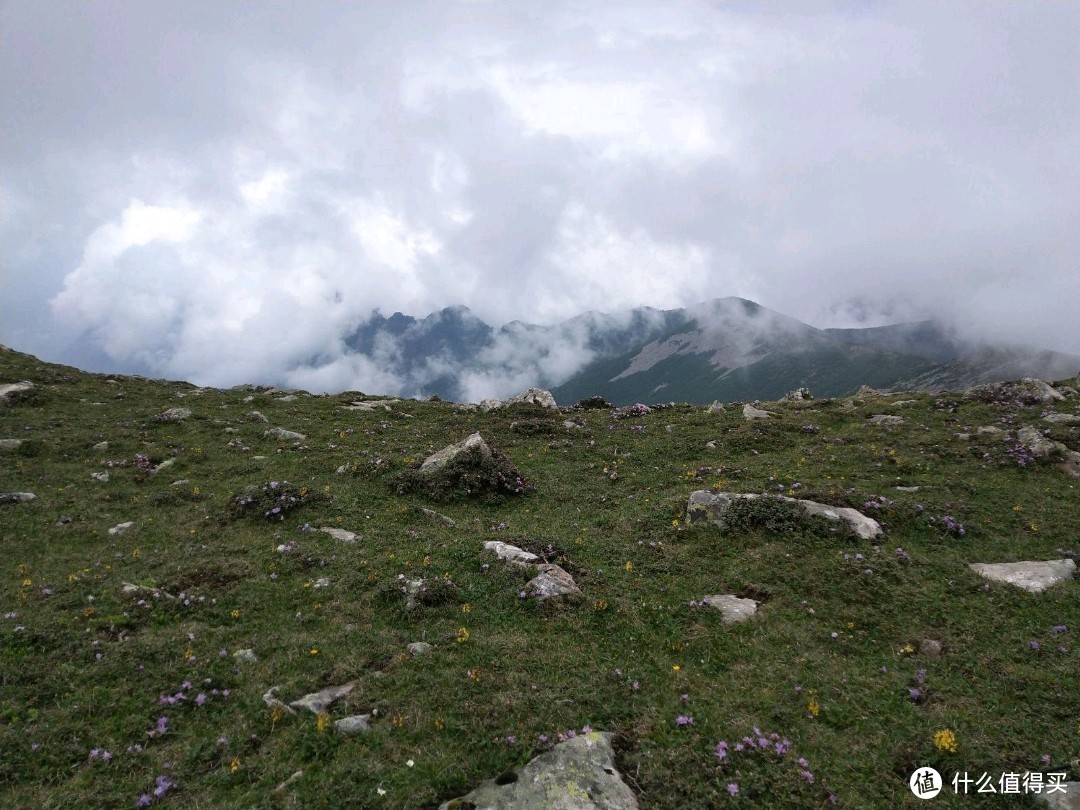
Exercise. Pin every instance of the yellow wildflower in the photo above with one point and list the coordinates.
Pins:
(462, 635)
(234, 766)
(466, 608)
(629, 566)
(813, 707)
(313, 651)
(945, 740)
(235, 613)
(322, 722)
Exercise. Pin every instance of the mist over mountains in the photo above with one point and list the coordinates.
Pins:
(726, 349)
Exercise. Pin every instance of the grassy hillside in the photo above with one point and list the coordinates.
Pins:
(832, 663)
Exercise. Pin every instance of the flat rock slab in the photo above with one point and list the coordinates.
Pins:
(319, 702)
(174, 415)
(733, 608)
(886, 420)
(1062, 418)
(1032, 576)
(578, 774)
(344, 535)
(10, 444)
(714, 506)
(285, 435)
(511, 554)
(473, 443)
(122, 528)
(16, 497)
(550, 582)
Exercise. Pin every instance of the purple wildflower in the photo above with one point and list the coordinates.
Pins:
(733, 788)
(1059, 628)
(684, 720)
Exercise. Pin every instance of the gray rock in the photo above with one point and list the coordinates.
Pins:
(103, 477)
(412, 589)
(255, 416)
(122, 528)
(900, 403)
(419, 648)
(284, 435)
(343, 535)
(1043, 447)
(578, 774)
(287, 398)
(164, 465)
(551, 582)
(714, 506)
(296, 776)
(180, 482)
(931, 648)
(886, 420)
(1068, 799)
(1028, 386)
(16, 497)
(174, 415)
(10, 444)
(907, 489)
(750, 412)
(471, 444)
(732, 607)
(130, 589)
(431, 513)
(7, 389)
(798, 395)
(245, 656)
(716, 407)
(101, 446)
(274, 703)
(867, 391)
(319, 702)
(1033, 576)
(321, 582)
(349, 726)
(711, 444)
(988, 430)
(488, 405)
(511, 554)
(534, 396)
(1062, 418)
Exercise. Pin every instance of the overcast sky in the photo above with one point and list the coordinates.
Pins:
(217, 190)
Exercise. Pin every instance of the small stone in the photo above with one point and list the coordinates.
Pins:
(245, 656)
(357, 724)
(174, 415)
(750, 412)
(716, 407)
(101, 446)
(291, 780)
(287, 398)
(886, 420)
(907, 489)
(419, 648)
(551, 582)
(319, 702)
(164, 465)
(1062, 419)
(255, 416)
(431, 513)
(472, 443)
(180, 482)
(988, 430)
(284, 435)
(10, 444)
(711, 444)
(321, 582)
(732, 608)
(511, 554)
(931, 648)
(122, 528)
(103, 477)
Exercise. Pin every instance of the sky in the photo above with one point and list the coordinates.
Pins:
(219, 191)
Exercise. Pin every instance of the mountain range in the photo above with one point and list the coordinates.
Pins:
(727, 349)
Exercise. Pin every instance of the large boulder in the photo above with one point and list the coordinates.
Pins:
(751, 413)
(471, 444)
(578, 774)
(798, 395)
(1045, 448)
(715, 507)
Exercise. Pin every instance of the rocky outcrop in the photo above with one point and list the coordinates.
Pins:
(578, 774)
(715, 506)
(471, 444)
(1045, 448)
(751, 413)
(530, 396)
(798, 395)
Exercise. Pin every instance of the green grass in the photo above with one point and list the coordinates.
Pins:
(83, 666)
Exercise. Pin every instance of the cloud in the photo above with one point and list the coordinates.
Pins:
(223, 192)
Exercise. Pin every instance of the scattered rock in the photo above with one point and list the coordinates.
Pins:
(255, 416)
(798, 395)
(284, 435)
(750, 412)
(1027, 388)
(551, 582)
(732, 607)
(356, 724)
(714, 506)
(10, 444)
(246, 656)
(164, 465)
(1043, 447)
(988, 430)
(570, 424)
(907, 489)
(344, 468)
(180, 482)
(130, 589)
(274, 703)
(900, 403)
(511, 554)
(343, 535)
(16, 497)
(1033, 576)
(578, 774)
(886, 420)
(471, 444)
(534, 396)
(319, 702)
(419, 648)
(103, 477)
(413, 588)
(716, 407)
(122, 528)
(867, 391)
(711, 444)
(929, 647)
(321, 582)
(174, 415)
(431, 513)
(1062, 418)
(8, 389)
(287, 398)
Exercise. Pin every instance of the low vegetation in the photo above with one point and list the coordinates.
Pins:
(114, 696)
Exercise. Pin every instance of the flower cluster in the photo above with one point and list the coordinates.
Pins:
(1019, 454)
(877, 502)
